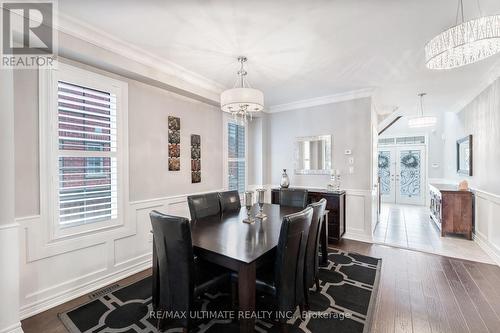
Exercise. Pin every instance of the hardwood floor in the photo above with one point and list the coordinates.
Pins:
(48, 321)
(419, 292)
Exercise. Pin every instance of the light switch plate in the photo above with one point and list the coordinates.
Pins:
(347, 152)
(351, 170)
(351, 160)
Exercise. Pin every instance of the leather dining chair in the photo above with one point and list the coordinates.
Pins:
(293, 197)
(285, 283)
(311, 264)
(180, 277)
(230, 201)
(204, 205)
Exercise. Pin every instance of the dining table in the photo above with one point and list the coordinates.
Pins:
(242, 247)
(228, 241)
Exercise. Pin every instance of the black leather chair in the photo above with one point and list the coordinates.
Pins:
(285, 283)
(293, 197)
(311, 265)
(179, 278)
(230, 201)
(204, 205)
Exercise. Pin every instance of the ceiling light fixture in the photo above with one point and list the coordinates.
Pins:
(422, 121)
(465, 43)
(242, 101)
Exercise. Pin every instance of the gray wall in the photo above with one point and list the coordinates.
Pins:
(349, 124)
(481, 118)
(149, 108)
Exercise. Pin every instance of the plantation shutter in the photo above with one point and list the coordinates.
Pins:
(87, 155)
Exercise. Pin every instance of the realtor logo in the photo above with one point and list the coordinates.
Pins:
(28, 36)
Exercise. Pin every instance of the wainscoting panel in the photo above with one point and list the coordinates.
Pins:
(358, 211)
(359, 215)
(54, 273)
(487, 228)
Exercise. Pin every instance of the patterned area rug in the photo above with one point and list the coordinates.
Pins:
(345, 302)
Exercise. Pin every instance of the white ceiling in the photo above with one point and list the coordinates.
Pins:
(302, 49)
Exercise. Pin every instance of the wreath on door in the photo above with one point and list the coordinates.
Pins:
(409, 161)
(383, 161)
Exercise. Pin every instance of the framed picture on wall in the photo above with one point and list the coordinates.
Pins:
(464, 155)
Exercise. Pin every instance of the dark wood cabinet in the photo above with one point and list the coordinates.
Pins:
(335, 204)
(452, 210)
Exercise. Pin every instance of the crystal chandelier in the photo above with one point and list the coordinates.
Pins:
(465, 43)
(422, 121)
(242, 101)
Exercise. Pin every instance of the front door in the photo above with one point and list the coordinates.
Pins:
(402, 174)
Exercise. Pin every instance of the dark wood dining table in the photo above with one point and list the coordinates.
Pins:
(241, 247)
(229, 242)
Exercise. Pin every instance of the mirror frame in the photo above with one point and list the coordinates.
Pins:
(328, 157)
(466, 140)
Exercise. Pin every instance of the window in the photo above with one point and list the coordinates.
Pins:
(236, 157)
(87, 155)
(85, 149)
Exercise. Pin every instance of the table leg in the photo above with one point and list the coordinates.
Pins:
(246, 295)
(324, 241)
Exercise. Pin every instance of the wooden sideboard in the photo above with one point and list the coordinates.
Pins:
(452, 210)
(335, 204)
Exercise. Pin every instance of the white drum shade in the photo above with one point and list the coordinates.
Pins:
(238, 99)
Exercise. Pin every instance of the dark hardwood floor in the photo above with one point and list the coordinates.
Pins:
(419, 292)
(48, 321)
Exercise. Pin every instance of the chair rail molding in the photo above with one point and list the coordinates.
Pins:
(98, 260)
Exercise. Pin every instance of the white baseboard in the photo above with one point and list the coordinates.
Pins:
(16, 328)
(100, 282)
(488, 248)
(358, 237)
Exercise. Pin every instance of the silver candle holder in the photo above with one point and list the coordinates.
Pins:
(261, 193)
(248, 205)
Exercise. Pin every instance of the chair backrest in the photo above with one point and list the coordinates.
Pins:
(289, 264)
(230, 201)
(293, 197)
(204, 205)
(174, 248)
(311, 264)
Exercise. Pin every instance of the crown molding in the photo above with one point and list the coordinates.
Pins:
(174, 75)
(329, 99)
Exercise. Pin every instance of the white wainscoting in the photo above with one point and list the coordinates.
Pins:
(358, 211)
(54, 273)
(487, 228)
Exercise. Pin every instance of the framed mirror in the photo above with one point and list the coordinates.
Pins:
(464, 155)
(313, 155)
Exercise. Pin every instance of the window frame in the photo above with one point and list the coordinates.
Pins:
(226, 119)
(49, 147)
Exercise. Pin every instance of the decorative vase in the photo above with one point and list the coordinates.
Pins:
(334, 184)
(285, 181)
